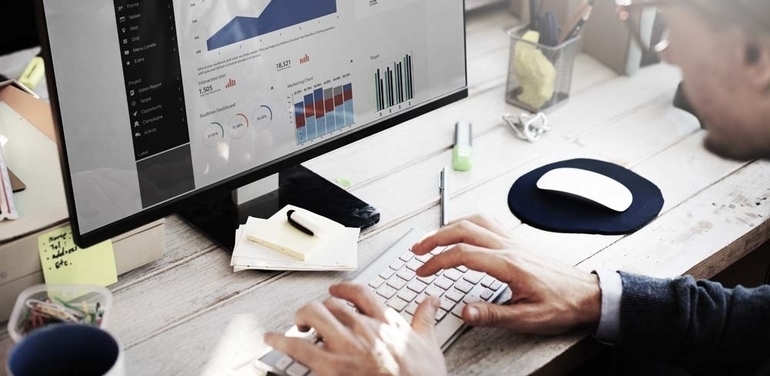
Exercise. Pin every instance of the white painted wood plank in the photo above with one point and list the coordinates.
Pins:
(413, 141)
(143, 309)
(697, 230)
(589, 72)
(182, 242)
(499, 152)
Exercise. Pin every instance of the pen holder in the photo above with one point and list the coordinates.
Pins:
(539, 76)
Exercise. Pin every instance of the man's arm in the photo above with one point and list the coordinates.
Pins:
(696, 323)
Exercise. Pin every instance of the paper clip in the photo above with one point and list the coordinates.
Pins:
(528, 126)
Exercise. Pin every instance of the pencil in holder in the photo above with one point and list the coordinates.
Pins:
(539, 76)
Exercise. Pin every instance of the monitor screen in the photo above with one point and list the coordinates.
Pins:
(157, 101)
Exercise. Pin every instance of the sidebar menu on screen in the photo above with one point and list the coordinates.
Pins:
(154, 92)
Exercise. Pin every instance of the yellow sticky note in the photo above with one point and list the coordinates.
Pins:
(65, 263)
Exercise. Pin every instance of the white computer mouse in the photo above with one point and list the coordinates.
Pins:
(587, 185)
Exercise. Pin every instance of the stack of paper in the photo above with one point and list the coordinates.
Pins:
(268, 244)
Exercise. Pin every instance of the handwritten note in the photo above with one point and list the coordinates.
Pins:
(64, 262)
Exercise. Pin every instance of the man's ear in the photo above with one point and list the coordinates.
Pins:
(757, 63)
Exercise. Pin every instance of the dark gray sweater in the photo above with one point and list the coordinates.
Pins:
(700, 325)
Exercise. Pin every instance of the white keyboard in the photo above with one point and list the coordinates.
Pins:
(392, 277)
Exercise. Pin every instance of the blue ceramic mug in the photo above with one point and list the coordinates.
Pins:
(67, 349)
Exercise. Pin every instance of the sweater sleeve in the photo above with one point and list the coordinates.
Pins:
(697, 324)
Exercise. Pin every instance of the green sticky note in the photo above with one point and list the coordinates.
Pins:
(65, 263)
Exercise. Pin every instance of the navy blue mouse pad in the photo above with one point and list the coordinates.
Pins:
(558, 213)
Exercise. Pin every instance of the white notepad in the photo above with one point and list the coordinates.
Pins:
(341, 254)
(277, 233)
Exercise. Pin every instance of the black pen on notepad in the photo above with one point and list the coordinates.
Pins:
(301, 222)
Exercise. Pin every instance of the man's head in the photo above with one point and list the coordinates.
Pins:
(723, 49)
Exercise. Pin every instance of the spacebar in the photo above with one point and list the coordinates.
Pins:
(447, 328)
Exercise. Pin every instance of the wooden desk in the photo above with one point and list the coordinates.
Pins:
(189, 314)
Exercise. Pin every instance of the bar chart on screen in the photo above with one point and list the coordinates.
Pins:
(322, 110)
(394, 84)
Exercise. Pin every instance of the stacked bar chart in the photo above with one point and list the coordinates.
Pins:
(277, 15)
(323, 111)
(394, 83)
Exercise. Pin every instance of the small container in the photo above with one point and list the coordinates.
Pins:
(539, 76)
(40, 305)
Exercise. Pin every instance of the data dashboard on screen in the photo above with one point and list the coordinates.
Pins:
(160, 98)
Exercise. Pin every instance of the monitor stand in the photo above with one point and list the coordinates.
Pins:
(218, 217)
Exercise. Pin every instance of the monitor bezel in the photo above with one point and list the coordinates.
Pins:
(170, 207)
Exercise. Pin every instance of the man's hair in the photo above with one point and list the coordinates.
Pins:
(754, 15)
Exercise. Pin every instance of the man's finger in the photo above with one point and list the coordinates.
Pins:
(471, 256)
(300, 349)
(490, 224)
(463, 231)
(351, 319)
(423, 320)
(520, 318)
(363, 298)
(487, 223)
(317, 316)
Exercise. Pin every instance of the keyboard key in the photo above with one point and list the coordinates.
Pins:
(487, 294)
(398, 264)
(426, 280)
(381, 299)
(283, 363)
(413, 264)
(446, 304)
(297, 369)
(416, 286)
(407, 316)
(423, 258)
(420, 298)
(473, 276)
(411, 308)
(376, 283)
(458, 310)
(408, 255)
(408, 294)
(406, 274)
(487, 281)
(443, 282)
(463, 286)
(386, 291)
(475, 294)
(462, 268)
(397, 304)
(396, 283)
(387, 273)
(496, 285)
(440, 315)
(434, 290)
(454, 294)
(452, 323)
(453, 274)
(437, 250)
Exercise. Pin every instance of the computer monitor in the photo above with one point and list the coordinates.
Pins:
(167, 106)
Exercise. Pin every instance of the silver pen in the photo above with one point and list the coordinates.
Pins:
(444, 199)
